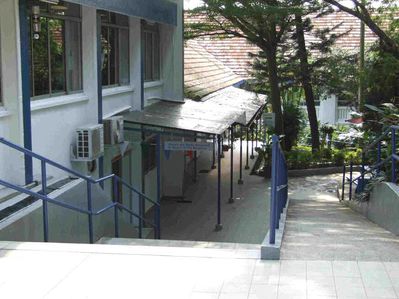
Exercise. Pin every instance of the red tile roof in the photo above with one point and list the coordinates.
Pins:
(234, 53)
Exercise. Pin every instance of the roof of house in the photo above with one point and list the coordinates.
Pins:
(234, 53)
(203, 72)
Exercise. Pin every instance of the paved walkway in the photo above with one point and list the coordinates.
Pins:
(39, 270)
(319, 227)
(244, 221)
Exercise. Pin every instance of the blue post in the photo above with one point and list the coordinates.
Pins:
(213, 153)
(231, 198)
(240, 181)
(362, 184)
(26, 88)
(115, 200)
(195, 162)
(343, 182)
(278, 192)
(90, 209)
(252, 144)
(141, 214)
(257, 132)
(273, 194)
(393, 153)
(158, 210)
(219, 226)
(247, 155)
(99, 91)
(379, 157)
(45, 207)
(350, 179)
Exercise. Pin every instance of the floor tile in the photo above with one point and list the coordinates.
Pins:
(380, 292)
(345, 269)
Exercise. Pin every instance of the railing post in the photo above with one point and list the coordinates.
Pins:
(90, 209)
(44, 202)
(115, 200)
(343, 182)
(247, 153)
(141, 214)
(278, 183)
(231, 198)
(350, 179)
(252, 143)
(379, 157)
(158, 210)
(240, 181)
(363, 171)
(272, 226)
(393, 153)
(213, 153)
(256, 133)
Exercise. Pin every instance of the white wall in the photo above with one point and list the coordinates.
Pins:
(54, 120)
(11, 163)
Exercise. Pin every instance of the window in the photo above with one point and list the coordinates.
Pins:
(115, 49)
(151, 49)
(56, 51)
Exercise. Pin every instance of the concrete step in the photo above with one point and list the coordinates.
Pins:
(190, 248)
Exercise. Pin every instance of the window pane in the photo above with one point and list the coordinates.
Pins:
(40, 62)
(57, 51)
(148, 53)
(73, 55)
(124, 57)
(113, 57)
(105, 54)
(156, 57)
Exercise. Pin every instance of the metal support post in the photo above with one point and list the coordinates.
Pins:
(231, 198)
(247, 154)
(195, 161)
(115, 200)
(393, 153)
(252, 144)
(219, 226)
(213, 153)
(240, 180)
(379, 157)
(90, 208)
(158, 210)
(350, 179)
(257, 132)
(343, 182)
(44, 202)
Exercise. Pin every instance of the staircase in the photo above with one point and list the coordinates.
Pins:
(66, 208)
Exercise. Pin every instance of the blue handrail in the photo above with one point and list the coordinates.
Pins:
(393, 158)
(89, 181)
(279, 187)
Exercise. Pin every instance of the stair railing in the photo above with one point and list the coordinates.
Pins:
(279, 187)
(392, 158)
(89, 182)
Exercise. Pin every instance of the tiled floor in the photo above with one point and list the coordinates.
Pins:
(38, 270)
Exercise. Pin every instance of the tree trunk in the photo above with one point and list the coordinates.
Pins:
(306, 83)
(275, 90)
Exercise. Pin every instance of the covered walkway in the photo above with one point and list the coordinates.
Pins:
(244, 221)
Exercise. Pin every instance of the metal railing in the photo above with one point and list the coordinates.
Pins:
(279, 187)
(89, 183)
(392, 157)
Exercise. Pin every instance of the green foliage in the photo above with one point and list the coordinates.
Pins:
(293, 117)
(301, 157)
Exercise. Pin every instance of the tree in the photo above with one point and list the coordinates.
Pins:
(262, 23)
(364, 13)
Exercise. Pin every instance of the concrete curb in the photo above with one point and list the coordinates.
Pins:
(272, 251)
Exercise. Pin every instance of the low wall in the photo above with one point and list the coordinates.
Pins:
(382, 207)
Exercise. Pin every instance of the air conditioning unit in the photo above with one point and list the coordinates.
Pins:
(89, 143)
(113, 130)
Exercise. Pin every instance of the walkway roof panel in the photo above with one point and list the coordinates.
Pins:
(212, 116)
